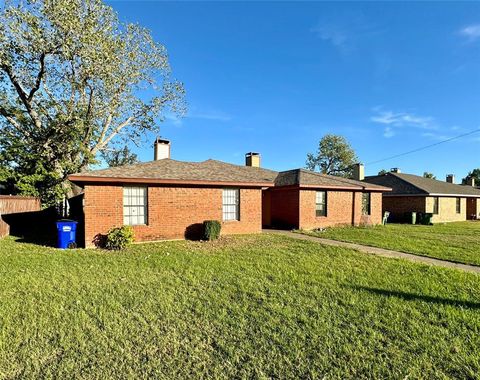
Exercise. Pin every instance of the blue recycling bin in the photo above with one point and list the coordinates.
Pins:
(66, 231)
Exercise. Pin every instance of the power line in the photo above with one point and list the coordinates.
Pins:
(424, 147)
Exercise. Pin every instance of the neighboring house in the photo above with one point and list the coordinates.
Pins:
(447, 201)
(167, 199)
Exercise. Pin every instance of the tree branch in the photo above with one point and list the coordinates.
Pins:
(87, 117)
(38, 81)
(23, 96)
(9, 118)
(103, 143)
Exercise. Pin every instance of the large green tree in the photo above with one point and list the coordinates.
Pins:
(475, 174)
(120, 157)
(429, 175)
(334, 156)
(74, 81)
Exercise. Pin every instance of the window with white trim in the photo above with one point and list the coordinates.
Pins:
(135, 205)
(231, 204)
(321, 203)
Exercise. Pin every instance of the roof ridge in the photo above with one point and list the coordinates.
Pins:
(237, 165)
(411, 184)
(404, 180)
(336, 178)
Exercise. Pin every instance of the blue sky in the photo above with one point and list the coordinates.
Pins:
(274, 77)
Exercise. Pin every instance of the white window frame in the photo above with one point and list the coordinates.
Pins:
(135, 205)
(321, 199)
(230, 204)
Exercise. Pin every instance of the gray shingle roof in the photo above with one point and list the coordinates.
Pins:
(305, 177)
(168, 169)
(212, 171)
(409, 184)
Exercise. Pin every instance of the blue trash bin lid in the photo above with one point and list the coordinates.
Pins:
(66, 225)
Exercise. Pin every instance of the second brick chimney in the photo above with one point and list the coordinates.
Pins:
(450, 178)
(252, 159)
(161, 149)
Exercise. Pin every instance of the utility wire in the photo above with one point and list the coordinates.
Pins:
(425, 147)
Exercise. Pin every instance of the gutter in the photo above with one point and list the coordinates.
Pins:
(435, 195)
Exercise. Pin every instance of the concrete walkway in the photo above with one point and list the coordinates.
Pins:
(378, 251)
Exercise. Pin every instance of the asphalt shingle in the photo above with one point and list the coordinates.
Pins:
(409, 184)
(211, 171)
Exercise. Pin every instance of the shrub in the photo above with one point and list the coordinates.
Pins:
(212, 229)
(119, 238)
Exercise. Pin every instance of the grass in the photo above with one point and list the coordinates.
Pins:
(245, 307)
(457, 242)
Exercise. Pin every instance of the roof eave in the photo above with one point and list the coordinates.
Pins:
(83, 180)
(434, 195)
(333, 187)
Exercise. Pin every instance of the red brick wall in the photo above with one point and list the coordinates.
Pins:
(376, 210)
(294, 208)
(102, 210)
(284, 207)
(343, 208)
(266, 208)
(172, 211)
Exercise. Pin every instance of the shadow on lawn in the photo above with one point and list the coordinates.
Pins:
(419, 297)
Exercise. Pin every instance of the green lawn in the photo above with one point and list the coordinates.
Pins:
(458, 242)
(244, 307)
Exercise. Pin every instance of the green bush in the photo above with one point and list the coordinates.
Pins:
(212, 229)
(119, 238)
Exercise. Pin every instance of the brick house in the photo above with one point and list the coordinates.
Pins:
(447, 201)
(169, 199)
(308, 200)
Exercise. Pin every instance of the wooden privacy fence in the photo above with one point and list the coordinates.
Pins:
(11, 205)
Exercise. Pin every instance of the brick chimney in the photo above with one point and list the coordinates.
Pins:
(161, 149)
(395, 170)
(359, 172)
(252, 159)
(450, 178)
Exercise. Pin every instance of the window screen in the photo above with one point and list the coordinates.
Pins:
(321, 203)
(231, 204)
(366, 203)
(134, 205)
(459, 205)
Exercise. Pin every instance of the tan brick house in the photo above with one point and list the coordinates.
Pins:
(167, 199)
(447, 201)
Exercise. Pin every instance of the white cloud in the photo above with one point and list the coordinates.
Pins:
(195, 113)
(388, 132)
(436, 136)
(210, 115)
(174, 120)
(333, 34)
(344, 30)
(402, 119)
(471, 32)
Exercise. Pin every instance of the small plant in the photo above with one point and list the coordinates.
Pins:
(212, 229)
(119, 238)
